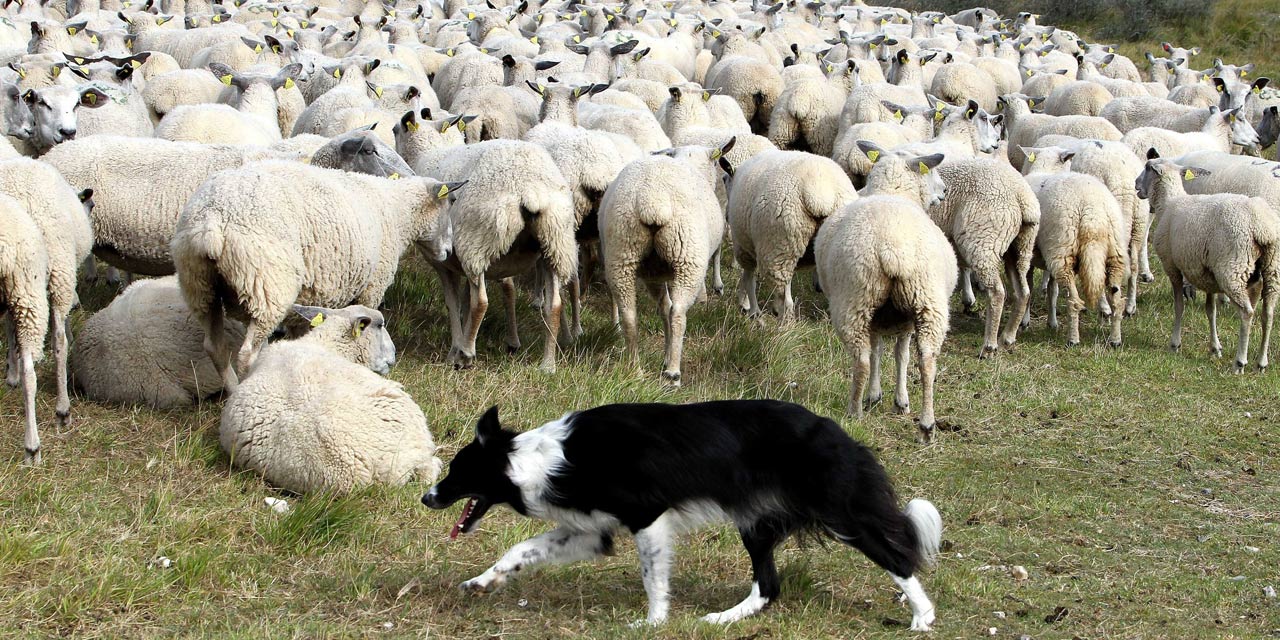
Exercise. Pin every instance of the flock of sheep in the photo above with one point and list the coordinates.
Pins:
(281, 158)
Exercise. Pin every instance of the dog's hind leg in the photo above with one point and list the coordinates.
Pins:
(888, 549)
(657, 551)
(760, 540)
(558, 546)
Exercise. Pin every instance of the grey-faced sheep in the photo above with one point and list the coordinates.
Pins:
(1224, 243)
(777, 202)
(314, 415)
(660, 221)
(889, 271)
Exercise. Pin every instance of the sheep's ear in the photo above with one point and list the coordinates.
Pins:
(447, 188)
(409, 122)
(253, 44)
(362, 322)
(222, 72)
(896, 109)
(641, 54)
(903, 56)
(972, 110)
(626, 47)
(92, 98)
(86, 195)
(1066, 156)
(1260, 84)
(314, 316)
(1191, 173)
(925, 164)
(488, 427)
(870, 149)
(1152, 154)
(537, 88)
(1029, 153)
(543, 65)
(707, 93)
(597, 88)
(724, 148)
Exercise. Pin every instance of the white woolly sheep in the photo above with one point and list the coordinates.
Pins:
(516, 215)
(806, 116)
(311, 415)
(1229, 173)
(146, 348)
(24, 303)
(660, 222)
(1077, 98)
(1082, 240)
(889, 271)
(992, 218)
(254, 240)
(753, 83)
(1224, 243)
(959, 82)
(56, 209)
(1025, 127)
(777, 202)
(1221, 130)
(256, 121)
(1129, 113)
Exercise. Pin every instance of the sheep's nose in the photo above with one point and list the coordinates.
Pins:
(67, 134)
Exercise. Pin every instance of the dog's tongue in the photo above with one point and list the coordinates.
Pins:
(462, 519)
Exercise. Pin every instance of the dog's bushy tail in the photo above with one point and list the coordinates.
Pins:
(927, 522)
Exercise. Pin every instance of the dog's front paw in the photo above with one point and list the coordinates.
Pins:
(482, 584)
(923, 623)
(724, 617)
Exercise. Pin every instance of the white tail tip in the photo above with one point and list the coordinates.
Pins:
(928, 524)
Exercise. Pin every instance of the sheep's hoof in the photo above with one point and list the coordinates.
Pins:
(718, 290)
(512, 349)
(1215, 352)
(872, 401)
(1054, 324)
(1114, 344)
(987, 352)
(925, 433)
(1073, 343)
(968, 311)
(1147, 278)
(1008, 343)
(1175, 347)
(32, 458)
(547, 368)
(1129, 313)
(1262, 367)
(64, 418)
(1238, 368)
(901, 409)
(1024, 325)
(672, 378)
(817, 287)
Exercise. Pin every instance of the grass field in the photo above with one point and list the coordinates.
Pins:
(1137, 487)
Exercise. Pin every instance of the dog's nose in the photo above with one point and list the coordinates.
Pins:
(430, 499)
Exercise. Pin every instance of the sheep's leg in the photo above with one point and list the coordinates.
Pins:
(747, 289)
(1241, 298)
(479, 304)
(449, 287)
(660, 293)
(215, 345)
(860, 351)
(1268, 316)
(682, 297)
(256, 333)
(1026, 311)
(14, 374)
(966, 290)
(989, 279)
(32, 439)
(58, 331)
(623, 288)
(902, 358)
(1117, 296)
(778, 281)
(1133, 276)
(1074, 306)
(551, 315)
(929, 337)
(1020, 291)
(1179, 301)
(874, 393)
(509, 301)
(573, 330)
(1052, 300)
(1145, 253)
(717, 283)
(1211, 310)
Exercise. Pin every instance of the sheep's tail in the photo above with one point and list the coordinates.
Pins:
(927, 522)
(1092, 266)
(552, 219)
(196, 249)
(1266, 232)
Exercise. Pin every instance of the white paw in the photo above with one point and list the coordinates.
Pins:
(723, 617)
(650, 622)
(922, 623)
(481, 584)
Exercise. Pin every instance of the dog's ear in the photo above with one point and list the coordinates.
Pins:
(488, 427)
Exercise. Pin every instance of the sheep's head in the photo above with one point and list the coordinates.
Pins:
(1241, 132)
(1235, 95)
(356, 333)
(1180, 52)
(1162, 172)
(1046, 159)
(1268, 127)
(417, 132)
(362, 151)
(18, 121)
(560, 101)
(908, 176)
(53, 110)
(437, 240)
(712, 160)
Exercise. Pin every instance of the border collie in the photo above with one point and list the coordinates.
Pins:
(656, 470)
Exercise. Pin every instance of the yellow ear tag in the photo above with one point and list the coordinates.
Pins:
(462, 126)
(337, 73)
(71, 31)
(873, 155)
(22, 73)
(898, 114)
(1219, 88)
(84, 70)
(377, 91)
(257, 48)
(715, 155)
(129, 43)
(715, 34)
(94, 39)
(56, 71)
(673, 22)
(706, 95)
(471, 15)
(883, 21)
(830, 68)
(288, 83)
(394, 176)
(411, 126)
(1188, 176)
(318, 320)
(444, 191)
(355, 330)
(1031, 103)
(289, 32)
(275, 23)
(1257, 90)
(534, 39)
(92, 98)
(1030, 73)
(444, 127)
(304, 24)
(577, 40)
(1231, 118)
(217, 19)
(135, 63)
(1031, 157)
(225, 79)
(924, 169)
(937, 115)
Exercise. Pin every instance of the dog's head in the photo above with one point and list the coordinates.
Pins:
(478, 472)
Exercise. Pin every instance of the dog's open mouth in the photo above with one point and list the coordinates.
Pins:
(471, 514)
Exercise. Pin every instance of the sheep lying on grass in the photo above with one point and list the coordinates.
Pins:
(312, 414)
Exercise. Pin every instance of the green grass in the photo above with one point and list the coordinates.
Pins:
(1133, 484)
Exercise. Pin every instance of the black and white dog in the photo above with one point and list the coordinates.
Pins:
(772, 468)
